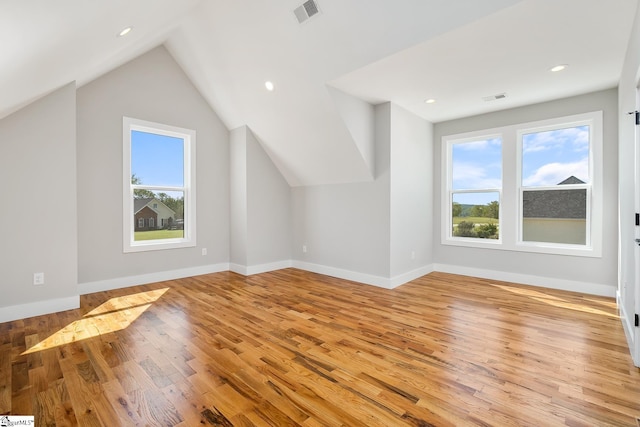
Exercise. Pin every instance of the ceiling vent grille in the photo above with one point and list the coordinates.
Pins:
(305, 11)
(494, 97)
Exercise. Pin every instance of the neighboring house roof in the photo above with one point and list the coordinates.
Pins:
(139, 204)
(567, 204)
(571, 180)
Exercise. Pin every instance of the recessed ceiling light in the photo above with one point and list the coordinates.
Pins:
(269, 85)
(557, 68)
(429, 101)
(125, 31)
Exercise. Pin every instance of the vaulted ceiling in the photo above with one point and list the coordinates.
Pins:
(327, 71)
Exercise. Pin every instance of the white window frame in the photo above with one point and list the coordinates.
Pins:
(511, 195)
(594, 200)
(189, 189)
(449, 193)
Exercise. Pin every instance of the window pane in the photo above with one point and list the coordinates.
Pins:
(555, 216)
(158, 215)
(476, 215)
(157, 159)
(555, 157)
(477, 164)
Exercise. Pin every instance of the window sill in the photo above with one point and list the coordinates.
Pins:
(158, 246)
(533, 247)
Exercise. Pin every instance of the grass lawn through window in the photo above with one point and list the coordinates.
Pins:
(158, 234)
(476, 226)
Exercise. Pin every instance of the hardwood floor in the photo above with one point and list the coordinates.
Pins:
(295, 348)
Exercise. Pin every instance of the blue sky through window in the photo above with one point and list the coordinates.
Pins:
(157, 159)
(550, 157)
(477, 165)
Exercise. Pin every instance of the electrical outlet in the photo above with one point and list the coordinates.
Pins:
(204, 251)
(304, 249)
(413, 254)
(38, 279)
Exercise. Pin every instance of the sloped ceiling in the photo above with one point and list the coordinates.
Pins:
(47, 44)
(328, 71)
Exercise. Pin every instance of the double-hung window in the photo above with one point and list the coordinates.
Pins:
(475, 188)
(555, 184)
(158, 186)
(534, 187)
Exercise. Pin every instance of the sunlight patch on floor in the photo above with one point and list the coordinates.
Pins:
(554, 301)
(113, 315)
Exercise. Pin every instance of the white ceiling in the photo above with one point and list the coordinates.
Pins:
(403, 51)
(510, 51)
(46, 44)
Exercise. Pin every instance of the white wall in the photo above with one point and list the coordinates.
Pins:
(628, 197)
(345, 227)
(154, 88)
(359, 117)
(238, 197)
(581, 274)
(260, 208)
(411, 192)
(38, 214)
(368, 231)
(268, 210)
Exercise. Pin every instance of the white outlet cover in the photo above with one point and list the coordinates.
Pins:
(38, 278)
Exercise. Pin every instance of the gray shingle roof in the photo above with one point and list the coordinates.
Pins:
(567, 204)
(138, 204)
(571, 180)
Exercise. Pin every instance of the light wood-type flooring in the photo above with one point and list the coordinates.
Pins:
(291, 348)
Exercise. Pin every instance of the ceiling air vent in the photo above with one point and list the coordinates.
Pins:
(306, 11)
(494, 97)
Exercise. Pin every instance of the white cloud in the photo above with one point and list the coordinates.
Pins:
(471, 176)
(470, 146)
(479, 145)
(554, 173)
(575, 138)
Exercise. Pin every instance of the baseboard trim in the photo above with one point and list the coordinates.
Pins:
(411, 275)
(238, 268)
(367, 279)
(628, 328)
(38, 308)
(125, 282)
(260, 268)
(527, 279)
(22, 311)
